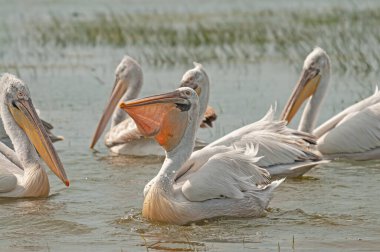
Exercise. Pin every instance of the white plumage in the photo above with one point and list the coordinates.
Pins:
(354, 133)
(21, 171)
(240, 174)
(223, 179)
(285, 152)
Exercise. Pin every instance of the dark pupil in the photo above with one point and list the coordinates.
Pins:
(183, 107)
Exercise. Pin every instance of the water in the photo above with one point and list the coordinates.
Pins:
(334, 208)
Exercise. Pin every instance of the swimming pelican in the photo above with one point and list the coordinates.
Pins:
(285, 152)
(228, 184)
(124, 137)
(21, 172)
(354, 133)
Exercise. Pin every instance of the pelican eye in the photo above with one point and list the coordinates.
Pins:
(20, 94)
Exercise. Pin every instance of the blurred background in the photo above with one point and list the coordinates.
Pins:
(253, 52)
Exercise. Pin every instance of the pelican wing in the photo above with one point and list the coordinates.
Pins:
(238, 134)
(49, 127)
(124, 132)
(347, 113)
(10, 155)
(8, 171)
(8, 181)
(279, 146)
(225, 175)
(357, 133)
(284, 151)
(277, 143)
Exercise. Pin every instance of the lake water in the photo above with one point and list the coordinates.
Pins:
(335, 207)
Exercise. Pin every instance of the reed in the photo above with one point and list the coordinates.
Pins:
(349, 36)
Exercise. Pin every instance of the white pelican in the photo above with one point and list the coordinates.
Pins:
(285, 152)
(354, 133)
(21, 171)
(228, 184)
(124, 137)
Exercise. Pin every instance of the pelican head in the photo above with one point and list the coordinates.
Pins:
(163, 116)
(316, 66)
(128, 77)
(198, 80)
(15, 97)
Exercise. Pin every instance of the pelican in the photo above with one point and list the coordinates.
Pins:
(124, 137)
(354, 133)
(228, 184)
(21, 171)
(285, 152)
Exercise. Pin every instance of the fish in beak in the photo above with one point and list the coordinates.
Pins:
(160, 116)
(119, 89)
(27, 119)
(306, 86)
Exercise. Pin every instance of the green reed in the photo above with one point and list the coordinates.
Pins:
(350, 37)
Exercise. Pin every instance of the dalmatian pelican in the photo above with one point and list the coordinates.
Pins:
(21, 171)
(353, 133)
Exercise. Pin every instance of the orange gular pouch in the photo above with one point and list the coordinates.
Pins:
(164, 121)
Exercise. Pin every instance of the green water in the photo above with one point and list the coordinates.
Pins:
(335, 208)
